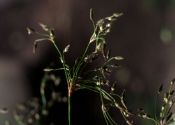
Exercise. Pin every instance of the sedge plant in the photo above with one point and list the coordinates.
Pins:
(96, 79)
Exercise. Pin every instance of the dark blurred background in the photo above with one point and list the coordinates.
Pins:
(144, 36)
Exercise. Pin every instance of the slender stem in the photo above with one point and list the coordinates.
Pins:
(68, 79)
(69, 102)
(59, 52)
(80, 62)
(67, 75)
(78, 67)
(69, 110)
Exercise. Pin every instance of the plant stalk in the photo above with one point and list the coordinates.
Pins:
(69, 102)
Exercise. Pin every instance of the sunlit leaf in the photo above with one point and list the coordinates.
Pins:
(30, 30)
(44, 27)
(66, 49)
(118, 58)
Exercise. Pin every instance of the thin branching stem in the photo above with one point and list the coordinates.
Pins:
(68, 79)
